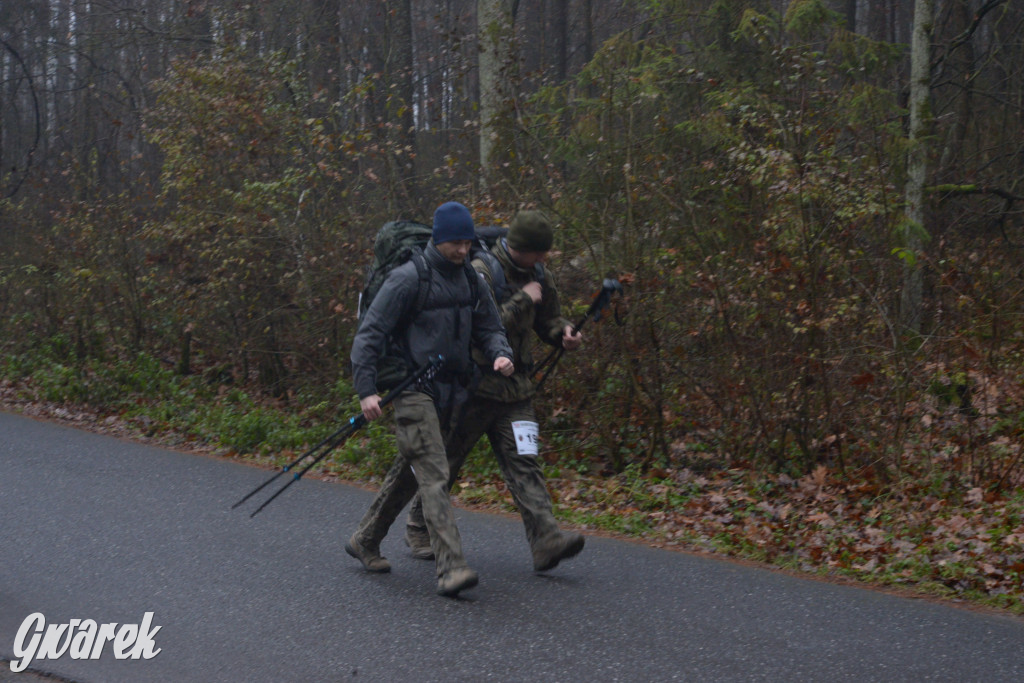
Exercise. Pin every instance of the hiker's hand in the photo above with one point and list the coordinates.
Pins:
(570, 341)
(371, 407)
(504, 366)
(534, 290)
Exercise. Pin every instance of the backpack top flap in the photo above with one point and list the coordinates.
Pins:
(394, 244)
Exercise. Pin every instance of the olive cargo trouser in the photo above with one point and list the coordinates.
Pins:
(522, 473)
(421, 464)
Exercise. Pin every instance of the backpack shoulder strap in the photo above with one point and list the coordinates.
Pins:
(473, 277)
(419, 299)
(422, 280)
(498, 282)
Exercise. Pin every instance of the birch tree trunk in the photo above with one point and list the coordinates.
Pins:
(917, 166)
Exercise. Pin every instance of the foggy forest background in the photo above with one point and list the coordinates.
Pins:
(815, 206)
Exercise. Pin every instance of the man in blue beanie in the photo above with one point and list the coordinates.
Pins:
(396, 328)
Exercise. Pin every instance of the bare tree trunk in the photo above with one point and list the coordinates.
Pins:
(962, 72)
(588, 31)
(850, 10)
(561, 32)
(495, 24)
(917, 165)
(400, 73)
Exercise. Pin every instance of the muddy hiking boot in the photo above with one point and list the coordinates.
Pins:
(454, 580)
(372, 560)
(418, 540)
(551, 550)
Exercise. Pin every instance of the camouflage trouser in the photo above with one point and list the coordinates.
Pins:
(522, 473)
(421, 463)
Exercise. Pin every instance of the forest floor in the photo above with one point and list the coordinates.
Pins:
(933, 538)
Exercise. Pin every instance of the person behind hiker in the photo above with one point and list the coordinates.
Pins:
(456, 313)
(502, 405)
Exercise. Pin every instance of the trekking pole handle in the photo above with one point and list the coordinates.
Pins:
(429, 370)
(609, 287)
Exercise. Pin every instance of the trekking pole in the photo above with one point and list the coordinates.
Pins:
(338, 437)
(609, 287)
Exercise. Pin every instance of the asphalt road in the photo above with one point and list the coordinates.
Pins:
(105, 529)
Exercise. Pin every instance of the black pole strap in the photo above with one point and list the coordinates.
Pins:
(324, 448)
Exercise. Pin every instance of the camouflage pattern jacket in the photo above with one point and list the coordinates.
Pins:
(521, 318)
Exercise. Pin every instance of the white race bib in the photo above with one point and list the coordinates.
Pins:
(526, 437)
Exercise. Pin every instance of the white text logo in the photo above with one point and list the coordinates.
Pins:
(82, 639)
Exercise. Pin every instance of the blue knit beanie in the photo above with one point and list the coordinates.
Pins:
(452, 222)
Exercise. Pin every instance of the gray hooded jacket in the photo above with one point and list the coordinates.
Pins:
(450, 321)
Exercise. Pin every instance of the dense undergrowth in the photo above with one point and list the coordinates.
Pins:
(928, 528)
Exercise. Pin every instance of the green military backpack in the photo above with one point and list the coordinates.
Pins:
(396, 242)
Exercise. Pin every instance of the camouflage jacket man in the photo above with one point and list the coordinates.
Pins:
(521, 318)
